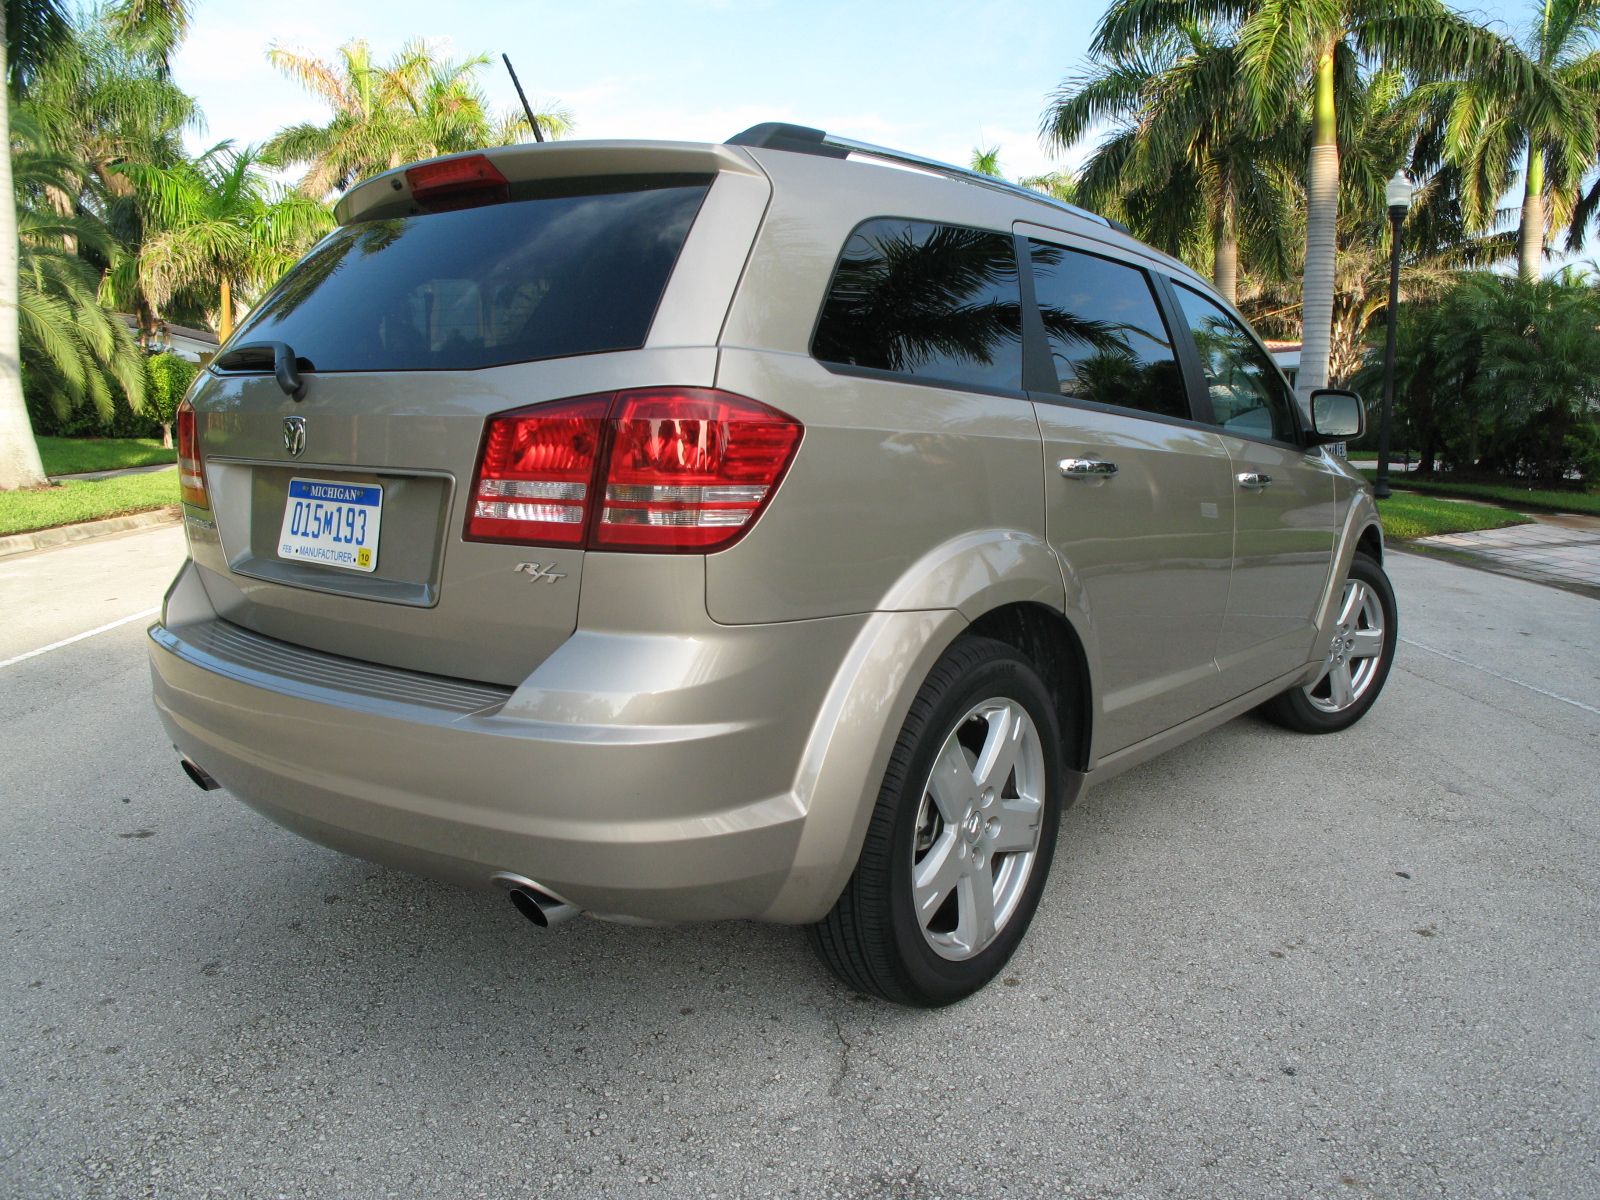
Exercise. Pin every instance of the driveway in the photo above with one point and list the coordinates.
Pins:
(1266, 965)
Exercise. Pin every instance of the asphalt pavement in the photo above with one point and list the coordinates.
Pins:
(1265, 965)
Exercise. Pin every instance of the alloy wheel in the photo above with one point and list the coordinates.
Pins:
(977, 831)
(1355, 651)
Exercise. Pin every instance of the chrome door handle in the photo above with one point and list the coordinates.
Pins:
(1087, 468)
(1253, 480)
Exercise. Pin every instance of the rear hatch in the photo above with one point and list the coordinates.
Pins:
(335, 520)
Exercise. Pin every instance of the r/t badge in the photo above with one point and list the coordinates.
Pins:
(535, 571)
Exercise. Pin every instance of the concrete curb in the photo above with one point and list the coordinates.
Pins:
(65, 535)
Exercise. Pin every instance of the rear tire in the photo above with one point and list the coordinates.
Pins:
(1360, 652)
(962, 836)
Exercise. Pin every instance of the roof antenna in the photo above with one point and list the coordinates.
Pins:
(521, 95)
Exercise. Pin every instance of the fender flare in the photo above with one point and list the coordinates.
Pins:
(929, 607)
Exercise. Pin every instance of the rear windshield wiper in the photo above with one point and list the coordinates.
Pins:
(278, 357)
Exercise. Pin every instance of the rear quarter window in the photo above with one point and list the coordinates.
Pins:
(932, 302)
(564, 268)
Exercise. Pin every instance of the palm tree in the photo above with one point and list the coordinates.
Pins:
(1380, 136)
(1186, 165)
(100, 102)
(73, 349)
(153, 29)
(987, 162)
(29, 31)
(1490, 129)
(42, 278)
(76, 350)
(416, 106)
(218, 224)
(1292, 53)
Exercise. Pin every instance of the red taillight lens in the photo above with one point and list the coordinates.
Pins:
(689, 468)
(673, 470)
(535, 473)
(191, 467)
(457, 183)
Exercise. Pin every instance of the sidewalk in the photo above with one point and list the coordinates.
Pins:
(144, 470)
(1562, 550)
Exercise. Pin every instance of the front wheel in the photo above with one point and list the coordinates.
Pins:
(962, 836)
(1360, 651)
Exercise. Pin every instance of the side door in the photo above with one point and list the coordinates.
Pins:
(1285, 517)
(1138, 494)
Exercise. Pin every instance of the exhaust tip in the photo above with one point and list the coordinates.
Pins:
(540, 905)
(523, 901)
(198, 775)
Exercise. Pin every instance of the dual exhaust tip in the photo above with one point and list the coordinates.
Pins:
(541, 906)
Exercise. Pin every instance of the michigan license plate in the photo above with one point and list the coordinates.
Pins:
(335, 524)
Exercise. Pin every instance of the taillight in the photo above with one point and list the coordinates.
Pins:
(191, 467)
(689, 468)
(457, 183)
(685, 470)
(535, 473)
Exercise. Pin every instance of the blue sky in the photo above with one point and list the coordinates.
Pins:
(938, 79)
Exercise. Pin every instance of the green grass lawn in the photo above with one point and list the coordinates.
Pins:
(86, 500)
(68, 456)
(1412, 516)
(1530, 499)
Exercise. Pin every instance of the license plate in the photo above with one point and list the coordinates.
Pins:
(332, 523)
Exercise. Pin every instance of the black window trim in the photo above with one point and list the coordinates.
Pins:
(849, 370)
(1194, 371)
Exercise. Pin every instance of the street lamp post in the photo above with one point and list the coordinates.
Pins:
(1398, 193)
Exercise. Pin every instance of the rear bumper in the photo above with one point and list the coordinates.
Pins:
(638, 775)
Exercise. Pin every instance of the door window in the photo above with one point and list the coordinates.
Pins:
(1105, 332)
(1248, 395)
(934, 302)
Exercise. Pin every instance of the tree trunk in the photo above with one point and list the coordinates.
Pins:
(19, 454)
(225, 317)
(1530, 237)
(147, 322)
(166, 435)
(1322, 216)
(1225, 265)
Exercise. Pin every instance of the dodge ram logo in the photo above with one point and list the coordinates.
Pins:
(294, 436)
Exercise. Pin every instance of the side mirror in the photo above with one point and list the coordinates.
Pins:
(1336, 416)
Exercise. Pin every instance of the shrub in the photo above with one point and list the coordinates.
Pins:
(1501, 376)
(169, 378)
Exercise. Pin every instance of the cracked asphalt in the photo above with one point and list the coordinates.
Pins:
(1265, 965)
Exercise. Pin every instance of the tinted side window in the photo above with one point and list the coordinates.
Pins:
(568, 267)
(935, 302)
(1105, 332)
(1248, 395)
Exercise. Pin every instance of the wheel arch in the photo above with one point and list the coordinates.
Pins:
(1370, 542)
(1047, 639)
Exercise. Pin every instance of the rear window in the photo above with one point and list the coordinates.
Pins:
(564, 268)
(935, 302)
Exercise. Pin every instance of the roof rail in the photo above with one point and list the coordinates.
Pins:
(802, 139)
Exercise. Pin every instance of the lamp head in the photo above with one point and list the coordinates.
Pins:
(1398, 192)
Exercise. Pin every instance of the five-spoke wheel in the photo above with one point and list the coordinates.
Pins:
(962, 836)
(1359, 650)
(1355, 651)
(978, 828)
